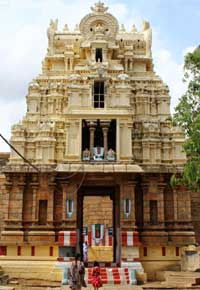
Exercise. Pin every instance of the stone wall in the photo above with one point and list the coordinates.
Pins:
(195, 212)
(97, 210)
(2, 181)
(4, 156)
(3, 160)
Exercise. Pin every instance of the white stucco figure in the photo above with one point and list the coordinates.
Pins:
(147, 31)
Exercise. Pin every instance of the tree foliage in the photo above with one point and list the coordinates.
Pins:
(187, 116)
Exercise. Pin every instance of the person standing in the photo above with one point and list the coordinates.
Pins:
(96, 276)
(76, 274)
(85, 251)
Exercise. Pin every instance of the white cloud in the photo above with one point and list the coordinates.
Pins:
(171, 72)
(188, 49)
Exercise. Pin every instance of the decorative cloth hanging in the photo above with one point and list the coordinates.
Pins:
(69, 207)
(97, 233)
(127, 207)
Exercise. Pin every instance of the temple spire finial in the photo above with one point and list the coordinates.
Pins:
(99, 7)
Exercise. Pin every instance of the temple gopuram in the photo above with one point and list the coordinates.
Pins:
(98, 130)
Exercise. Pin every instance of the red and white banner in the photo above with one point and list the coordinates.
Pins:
(67, 238)
(106, 241)
(130, 238)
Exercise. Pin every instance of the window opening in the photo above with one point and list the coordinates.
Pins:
(99, 56)
(99, 94)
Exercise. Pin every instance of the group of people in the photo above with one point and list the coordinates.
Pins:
(77, 272)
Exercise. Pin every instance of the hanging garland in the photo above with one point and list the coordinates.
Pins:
(97, 233)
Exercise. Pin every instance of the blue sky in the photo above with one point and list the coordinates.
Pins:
(177, 21)
(175, 25)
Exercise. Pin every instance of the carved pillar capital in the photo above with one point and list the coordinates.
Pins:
(91, 123)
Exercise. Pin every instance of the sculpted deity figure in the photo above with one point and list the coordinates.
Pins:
(86, 154)
(50, 33)
(111, 154)
(65, 28)
(76, 27)
(147, 31)
(134, 29)
(122, 28)
(99, 28)
(99, 31)
(123, 77)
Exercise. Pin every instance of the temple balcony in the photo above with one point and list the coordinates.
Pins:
(99, 140)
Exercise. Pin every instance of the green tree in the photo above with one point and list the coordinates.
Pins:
(187, 116)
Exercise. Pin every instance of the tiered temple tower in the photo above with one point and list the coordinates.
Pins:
(98, 129)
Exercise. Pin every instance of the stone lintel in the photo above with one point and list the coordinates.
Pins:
(99, 167)
(23, 168)
(96, 167)
(161, 168)
(12, 233)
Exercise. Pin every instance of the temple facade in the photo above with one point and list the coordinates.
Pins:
(99, 132)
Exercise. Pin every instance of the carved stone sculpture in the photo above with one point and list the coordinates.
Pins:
(50, 33)
(147, 31)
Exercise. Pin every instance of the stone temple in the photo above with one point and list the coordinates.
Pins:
(98, 129)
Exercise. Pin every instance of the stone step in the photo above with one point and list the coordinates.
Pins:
(182, 274)
(109, 276)
(180, 280)
(108, 287)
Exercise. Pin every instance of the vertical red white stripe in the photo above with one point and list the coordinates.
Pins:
(130, 238)
(116, 276)
(67, 238)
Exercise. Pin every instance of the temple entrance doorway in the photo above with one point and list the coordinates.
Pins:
(97, 223)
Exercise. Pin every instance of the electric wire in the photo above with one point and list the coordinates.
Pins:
(37, 169)
(18, 153)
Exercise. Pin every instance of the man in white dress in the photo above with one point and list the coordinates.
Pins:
(85, 251)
